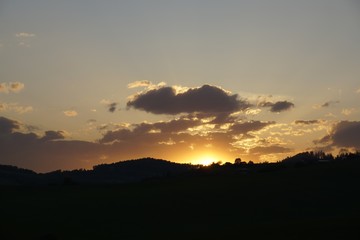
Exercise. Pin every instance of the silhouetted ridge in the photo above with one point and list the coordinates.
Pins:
(11, 175)
(138, 169)
(308, 158)
(147, 168)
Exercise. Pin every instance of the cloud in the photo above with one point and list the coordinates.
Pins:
(25, 35)
(251, 126)
(15, 107)
(348, 111)
(44, 153)
(112, 107)
(53, 135)
(142, 83)
(142, 129)
(70, 113)
(270, 150)
(166, 139)
(8, 126)
(329, 103)
(307, 122)
(24, 38)
(14, 87)
(343, 134)
(277, 107)
(281, 106)
(358, 91)
(205, 99)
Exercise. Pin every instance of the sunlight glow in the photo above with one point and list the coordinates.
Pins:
(206, 160)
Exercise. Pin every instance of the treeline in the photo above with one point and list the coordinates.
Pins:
(150, 168)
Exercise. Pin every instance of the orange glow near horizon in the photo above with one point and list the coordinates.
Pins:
(206, 160)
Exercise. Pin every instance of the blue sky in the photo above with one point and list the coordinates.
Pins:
(72, 59)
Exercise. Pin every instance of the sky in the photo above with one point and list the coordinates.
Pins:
(87, 82)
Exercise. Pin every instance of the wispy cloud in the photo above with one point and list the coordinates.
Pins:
(142, 83)
(70, 113)
(25, 35)
(14, 87)
(348, 111)
(329, 103)
(15, 107)
(358, 91)
(24, 38)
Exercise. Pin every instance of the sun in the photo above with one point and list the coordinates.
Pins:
(206, 160)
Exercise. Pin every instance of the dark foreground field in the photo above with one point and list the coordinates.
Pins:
(321, 201)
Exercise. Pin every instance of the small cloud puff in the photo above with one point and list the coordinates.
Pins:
(70, 113)
(13, 87)
(111, 106)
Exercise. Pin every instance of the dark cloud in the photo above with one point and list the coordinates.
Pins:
(329, 103)
(277, 107)
(307, 122)
(53, 135)
(205, 99)
(344, 134)
(112, 107)
(7, 126)
(269, 150)
(281, 106)
(250, 126)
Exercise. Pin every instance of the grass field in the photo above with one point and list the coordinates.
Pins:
(314, 202)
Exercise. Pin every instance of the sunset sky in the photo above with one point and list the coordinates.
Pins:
(86, 82)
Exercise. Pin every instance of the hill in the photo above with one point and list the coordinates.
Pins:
(119, 172)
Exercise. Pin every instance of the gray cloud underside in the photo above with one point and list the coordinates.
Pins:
(343, 134)
(270, 150)
(277, 107)
(7, 126)
(206, 99)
